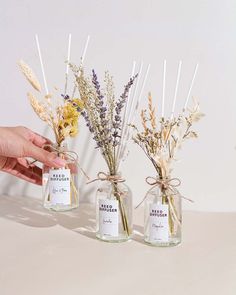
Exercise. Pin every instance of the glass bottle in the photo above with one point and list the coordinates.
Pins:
(114, 210)
(60, 185)
(163, 217)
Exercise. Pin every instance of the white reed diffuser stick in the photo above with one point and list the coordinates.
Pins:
(129, 114)
(41, 64)
(127, 106)
(85, 50)
(127, 135)
(67, 63)
(190, 88)
(68, 55)
(129, 94)
(132, 101)
(176, 89)
(82, 61)
(141, 94)
(163, 90)
(135, 92)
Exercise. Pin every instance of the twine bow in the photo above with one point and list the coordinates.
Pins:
(70, 155)
(167, 183)
(163, 183)
(107, 177)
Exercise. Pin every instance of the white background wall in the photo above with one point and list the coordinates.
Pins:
(194, 31)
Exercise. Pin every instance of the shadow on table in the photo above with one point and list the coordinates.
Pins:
(30, 212)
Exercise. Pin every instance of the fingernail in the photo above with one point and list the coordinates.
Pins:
(59, 161)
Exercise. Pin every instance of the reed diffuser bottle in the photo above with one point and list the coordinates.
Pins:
(60, 185)
(113, 210)
(160, 140)
(61, 113)
(163, 215)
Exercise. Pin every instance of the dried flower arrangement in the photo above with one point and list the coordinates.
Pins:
(103, 116)
(160, 139)
(64, 118)
(61, 113)
(61, 117)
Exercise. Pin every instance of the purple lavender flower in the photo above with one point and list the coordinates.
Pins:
(105, 128)
(87, 120)
(66, 96)
(102, 112)
(117, 118)
(98, 91)
(119, 106)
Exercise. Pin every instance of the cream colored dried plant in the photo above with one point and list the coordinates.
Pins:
(29, 74)
(161, 141)
(63, 118)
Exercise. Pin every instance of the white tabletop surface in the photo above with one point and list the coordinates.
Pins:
(50, 253)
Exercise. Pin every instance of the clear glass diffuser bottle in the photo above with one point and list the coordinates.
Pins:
(114, 212)
(60, 186)
(163, 217)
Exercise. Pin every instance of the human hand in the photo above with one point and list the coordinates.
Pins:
(17, 143)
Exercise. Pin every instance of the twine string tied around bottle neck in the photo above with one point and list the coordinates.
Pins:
(69, 155)
(102, 176)
(164, 184)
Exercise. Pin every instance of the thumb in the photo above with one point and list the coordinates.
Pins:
(45, 157)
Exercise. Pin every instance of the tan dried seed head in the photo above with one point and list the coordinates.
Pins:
(38, 107)
(29, 74)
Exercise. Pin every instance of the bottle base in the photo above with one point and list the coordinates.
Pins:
(60, 208)
(171, 243)
(110, 239)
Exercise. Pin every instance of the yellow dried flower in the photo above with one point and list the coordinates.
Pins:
(69, 112)
(73, 131)
(68, 125)
(68, 131)
(79, 103)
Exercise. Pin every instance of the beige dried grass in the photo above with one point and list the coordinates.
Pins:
(29, 74)
(38, 107)
(151, 112)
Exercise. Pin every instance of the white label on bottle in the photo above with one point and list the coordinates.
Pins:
(108, 218)
(159, 224)
(59, 186)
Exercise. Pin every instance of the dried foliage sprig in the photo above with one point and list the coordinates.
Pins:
(63, 118)
(29, 75)
(160, 144)
(102, 112)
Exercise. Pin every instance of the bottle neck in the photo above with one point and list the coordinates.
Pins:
(62, 147)
(118, 174)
